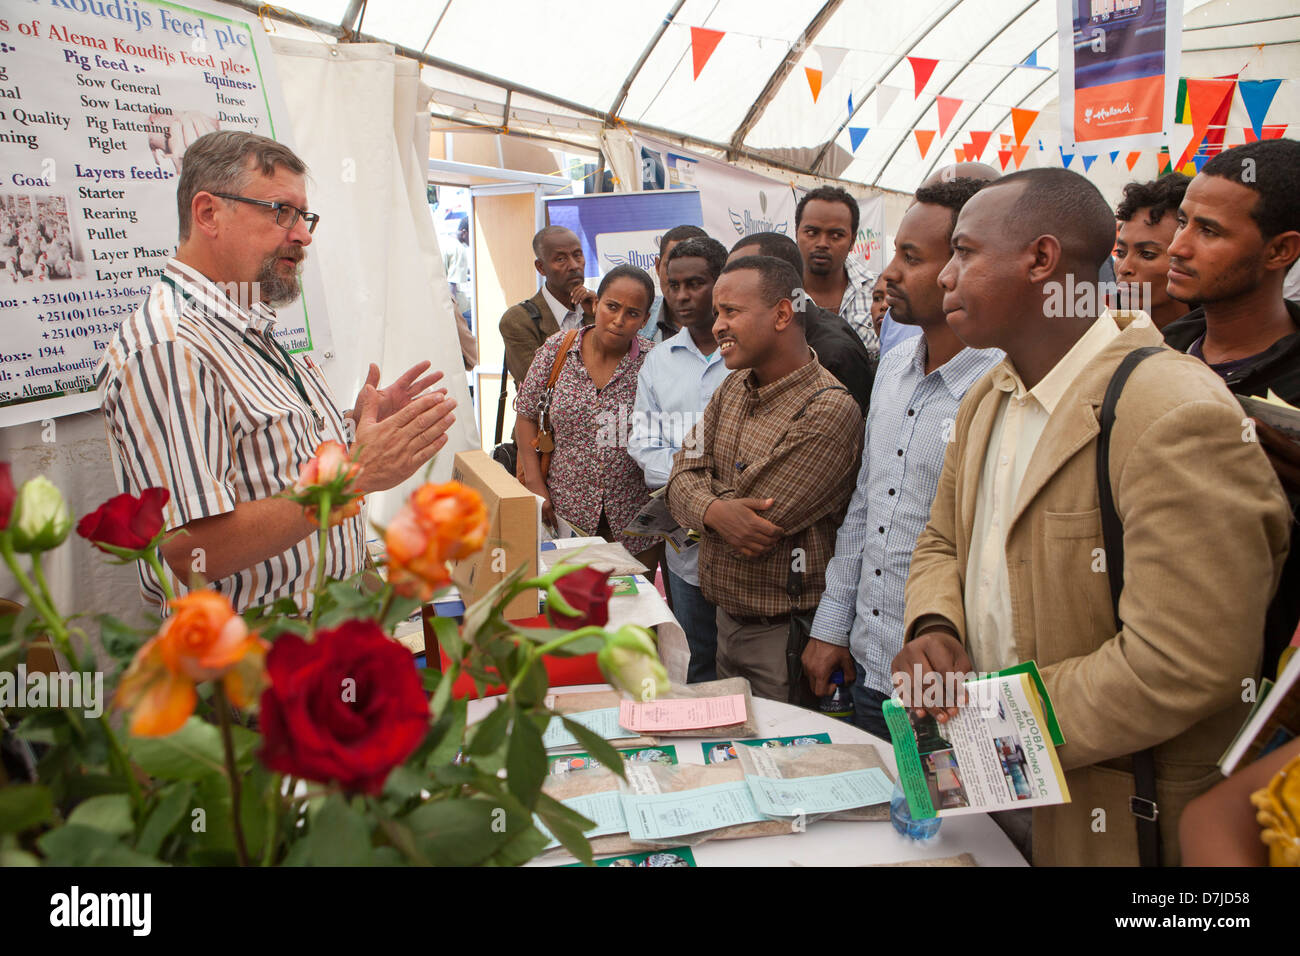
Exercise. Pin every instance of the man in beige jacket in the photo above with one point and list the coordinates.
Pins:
(1011, 567)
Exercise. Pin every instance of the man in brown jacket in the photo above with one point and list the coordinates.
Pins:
(526, 325)
(1011, 567)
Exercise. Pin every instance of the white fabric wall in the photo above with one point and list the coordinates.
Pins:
(360, 122)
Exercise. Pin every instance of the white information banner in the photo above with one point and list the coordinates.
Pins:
(870, 241)
(735, 201)
(98, 103)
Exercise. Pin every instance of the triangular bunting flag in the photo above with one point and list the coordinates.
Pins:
(885, 96)
(850, 105)
(831, 57)
(1258, 97)
(1066, 158)
(1019, 152)
(922, 68)
(1005, 138)
(948, 107)
(1204, 98)
(1022, 120)
(1031, 60)
(1199, 160)
(814, 81)
(856, 135)
(969, 150)
(703, 43)
(959, 154)
(980, 140)
(1131, 160)
(1088, 161)
(1270, 132)
(1114, 156)
(1004, 157)
(924, 137)
(1162, 161)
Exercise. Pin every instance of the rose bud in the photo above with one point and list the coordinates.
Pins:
(587, 592)
(7, 494)
(41, 519)
(630, 661)
(126, 525)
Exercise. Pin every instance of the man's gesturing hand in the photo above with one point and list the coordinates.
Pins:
(933, 655)
(820, 659)
(740, 525)
(392, 449)
(398, 395)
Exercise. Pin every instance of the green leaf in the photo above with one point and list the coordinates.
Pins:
(386, 856)
(442, 693)
(164, 818)
(24, 805)
(339, 836)
(448, 633)
(192, 753)
(405, 782)
(525, 760)
(119, 639)
(23, 622)
(529, 842)
(532, 687)
(596, 745)
(489, 605)
(75, 845)
(558, 819)
(448, 734)
(459, 832)
(490, 732)
(398, 611)
(110, 813)
(12, 856)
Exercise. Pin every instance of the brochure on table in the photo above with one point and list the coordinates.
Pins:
(998, 753)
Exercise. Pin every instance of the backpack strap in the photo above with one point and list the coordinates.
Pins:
(1143, 803)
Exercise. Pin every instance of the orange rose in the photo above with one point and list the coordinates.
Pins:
(332, 470)
(204, 639)
(438, 523)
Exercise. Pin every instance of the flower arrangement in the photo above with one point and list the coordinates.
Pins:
(279, 737)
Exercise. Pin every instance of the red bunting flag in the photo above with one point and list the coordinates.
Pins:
(948, 107)
(1270, 132)
(703, 43)
(1022, 120)
(968, 151)
(924, 137)
(814, 81)
(1131, 160)
(1004, 157)
(922, 68)
(980, 140)
(1204, 100)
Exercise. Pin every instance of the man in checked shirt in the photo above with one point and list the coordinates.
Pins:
(766, 474)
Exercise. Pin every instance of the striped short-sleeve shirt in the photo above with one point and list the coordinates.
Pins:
(197, 400)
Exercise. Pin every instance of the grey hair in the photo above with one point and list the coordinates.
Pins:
(219, 163)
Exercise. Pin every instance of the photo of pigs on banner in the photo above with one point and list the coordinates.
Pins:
(799, 538)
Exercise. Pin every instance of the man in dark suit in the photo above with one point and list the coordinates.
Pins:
(561, 303)
(838, 347)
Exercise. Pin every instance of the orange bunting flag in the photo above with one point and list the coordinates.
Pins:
(980, 140)
(924, 137)
(1131, 160)
(1022, 120)
(959, 155)
(1005, 138)
(922, 68)
(703, 43)
(814, 81)
(1019, 152)
(1204, 98)
(1004, 157)
(948, 107)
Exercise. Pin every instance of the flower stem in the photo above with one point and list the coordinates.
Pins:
(536, 652)
(273, 811)
(223, 712)
(152, 557)
(52, 620)
(323, 538)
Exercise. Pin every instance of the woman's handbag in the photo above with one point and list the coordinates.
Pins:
(545, 440)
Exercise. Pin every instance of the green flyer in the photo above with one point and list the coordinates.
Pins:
(726, 750)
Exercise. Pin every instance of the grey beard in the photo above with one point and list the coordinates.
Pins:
(276, 290)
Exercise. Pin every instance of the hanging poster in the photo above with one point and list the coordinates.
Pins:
(735, 201)
(870, 241)
(1119, 72)
(99, 100)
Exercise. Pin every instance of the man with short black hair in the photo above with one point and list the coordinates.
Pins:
(663, 323)
(766, 473)
(563, 302)
(1012, 565)
(1148, 217)
(838, 349)
(674, 386)
(1238, 235)
(826, 224)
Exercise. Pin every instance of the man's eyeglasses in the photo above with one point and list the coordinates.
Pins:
(286, 216)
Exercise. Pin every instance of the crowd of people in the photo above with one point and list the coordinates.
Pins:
(891, 477)
(901, 478)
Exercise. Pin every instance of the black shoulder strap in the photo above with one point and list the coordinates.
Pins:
(1143, 803)
(534, 313)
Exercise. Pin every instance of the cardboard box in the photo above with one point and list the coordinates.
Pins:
(512, 533)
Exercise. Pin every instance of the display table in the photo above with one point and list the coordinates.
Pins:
(826, 842)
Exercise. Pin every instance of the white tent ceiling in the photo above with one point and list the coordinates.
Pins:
(568, 68)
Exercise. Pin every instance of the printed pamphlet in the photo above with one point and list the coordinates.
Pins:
(1273, 721)
(567, 763)
(726, 749)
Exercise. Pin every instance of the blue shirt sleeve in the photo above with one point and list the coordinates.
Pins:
(647, 443)
(835, 613)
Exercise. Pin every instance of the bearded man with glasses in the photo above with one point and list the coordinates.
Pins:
(201, 399)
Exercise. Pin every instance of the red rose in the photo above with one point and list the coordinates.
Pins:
(126, 522)
(588, 592)
(348, 708)
(7, 495)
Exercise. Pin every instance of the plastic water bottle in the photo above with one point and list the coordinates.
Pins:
(901, 817)
(839, 702)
